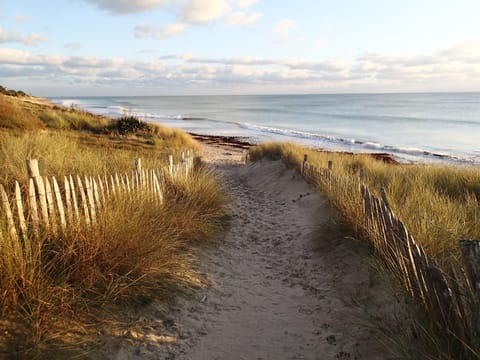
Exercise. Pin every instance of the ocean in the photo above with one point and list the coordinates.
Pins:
(420, 127)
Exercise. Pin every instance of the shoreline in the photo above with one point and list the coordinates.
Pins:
(243, 144)
(386, 153)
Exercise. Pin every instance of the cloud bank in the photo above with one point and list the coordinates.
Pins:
(458, 64)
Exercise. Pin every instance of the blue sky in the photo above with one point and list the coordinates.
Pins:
(161, 47)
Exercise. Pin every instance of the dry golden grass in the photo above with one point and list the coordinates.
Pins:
(138, 250)
(69, 152)
(15, 116)
(438, 203)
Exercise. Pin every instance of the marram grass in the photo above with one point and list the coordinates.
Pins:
(56, 290)
(438, 204)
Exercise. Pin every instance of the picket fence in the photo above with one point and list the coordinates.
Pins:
(51, 206)
(451, 294)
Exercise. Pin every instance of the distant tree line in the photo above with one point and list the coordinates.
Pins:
(5, 91)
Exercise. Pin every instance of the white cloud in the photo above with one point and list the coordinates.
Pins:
(19, 57)
(240, 18)
(14, 36)
(152, 31)
(283, 27)
(468, 51)
(204, 11)
(126, 6)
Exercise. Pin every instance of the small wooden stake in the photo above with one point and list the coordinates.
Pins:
(68, 200)
(32, 196)
(61, 210)
(20, 212)
(362, 176)
(8, 214)
(170, 165)
(91, 199)
(51, 206)
(84, 201)
(34, 173)
(76, 210)
(305, 159)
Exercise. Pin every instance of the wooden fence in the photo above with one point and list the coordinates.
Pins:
(450, 294)
(51, 205)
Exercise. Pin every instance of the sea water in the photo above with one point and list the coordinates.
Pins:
(423, 127)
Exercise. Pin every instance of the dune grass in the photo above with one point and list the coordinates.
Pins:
(139, 250)
(438, 204)
(13, 115)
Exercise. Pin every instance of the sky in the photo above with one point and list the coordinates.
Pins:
(194, 47)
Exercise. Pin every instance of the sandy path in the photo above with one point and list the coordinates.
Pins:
(279, 289)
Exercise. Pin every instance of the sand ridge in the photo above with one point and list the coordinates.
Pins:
(278, 289)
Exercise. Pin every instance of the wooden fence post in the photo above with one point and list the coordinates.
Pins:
(138, 173)
(383, 193)
(305, 160)
(75, 201)
(34, 173)
(20, 211)
(330, 177)
(61, 210)
(33, 207)
(51, 206)
(170, 165)
(471, 257)
(84, 201)
(8, 214)
(362, 176)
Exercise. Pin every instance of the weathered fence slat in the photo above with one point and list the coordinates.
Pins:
(8, 214)
(106, 188)
(61, 209)
(20, 211)
(112, 185)
(32, 197)
(83, 200)
(170, 165)
(75, 203)
(471, 257)
(68, 201)
(102, 190)
(90, 199)
(51, 206)
(96, 195)
(42, 197)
